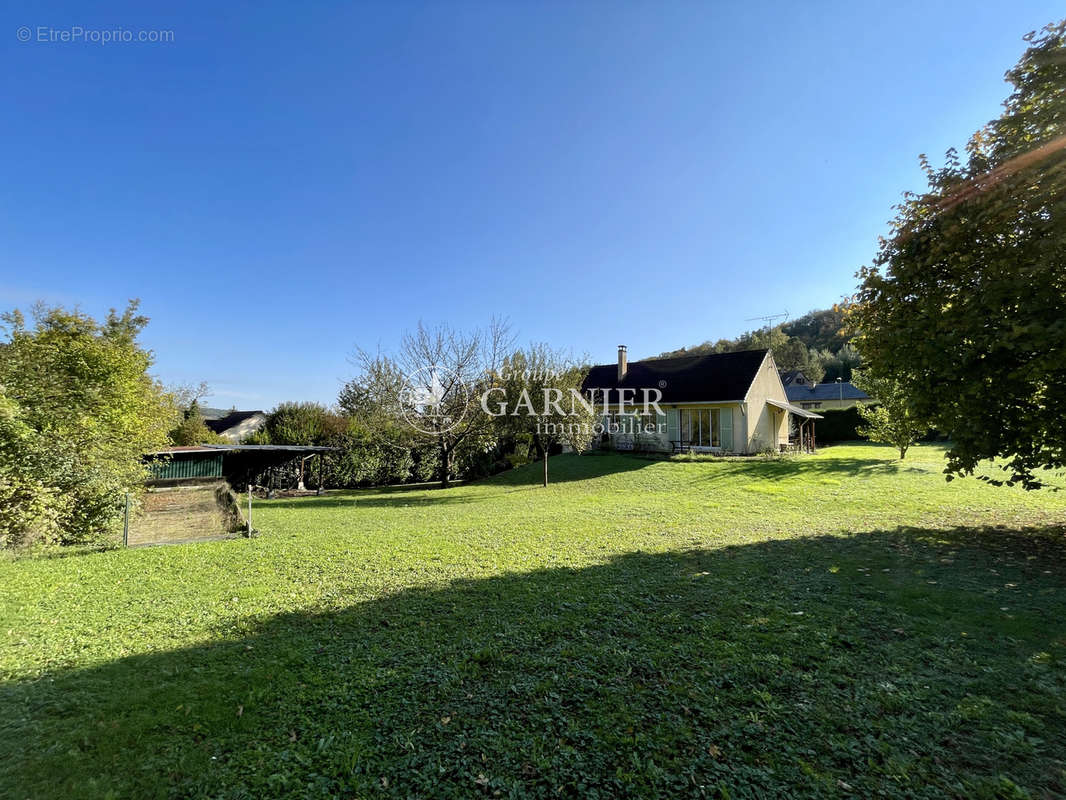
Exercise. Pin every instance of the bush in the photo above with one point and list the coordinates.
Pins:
(79, 412)
(193, 430)
(368, 460)
(839, 425)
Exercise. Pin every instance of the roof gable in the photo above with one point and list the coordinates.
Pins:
(231, 420)
(715, 377)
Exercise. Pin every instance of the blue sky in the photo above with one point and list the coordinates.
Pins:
(281, 183)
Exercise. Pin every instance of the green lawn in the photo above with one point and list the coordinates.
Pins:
(837, 625)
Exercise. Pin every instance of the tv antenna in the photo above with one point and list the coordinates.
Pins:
(768, 320)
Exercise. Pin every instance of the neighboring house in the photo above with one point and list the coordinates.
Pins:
(794, 377)
(823, 396)
(233, 425)
(721, 402)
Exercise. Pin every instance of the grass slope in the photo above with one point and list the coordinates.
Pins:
(838, 625)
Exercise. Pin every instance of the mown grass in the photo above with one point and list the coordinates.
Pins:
(838, 625)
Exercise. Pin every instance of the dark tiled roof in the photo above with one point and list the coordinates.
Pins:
(232, 419)
(686, 379)
(825, 391)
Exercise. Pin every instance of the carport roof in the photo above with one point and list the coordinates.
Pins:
(226, 448)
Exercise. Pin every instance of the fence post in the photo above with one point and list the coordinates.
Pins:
(126, 523)
(249, 510)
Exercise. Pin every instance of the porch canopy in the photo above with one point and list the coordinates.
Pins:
(799, 412)
(806, 437)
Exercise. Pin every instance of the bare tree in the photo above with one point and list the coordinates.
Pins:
(435, 385)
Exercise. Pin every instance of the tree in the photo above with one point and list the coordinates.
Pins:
(380, 447)
(304, 423)
(832, 365)
(434, 386)
(192, 429)
(454, 415)
(79, 412)
(965, 304)
(819, 330)
(790, 352)
(28, 506)
(538, 388)
(890, 421)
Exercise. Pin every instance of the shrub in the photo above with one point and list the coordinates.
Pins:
(839, 425)
(79, 412)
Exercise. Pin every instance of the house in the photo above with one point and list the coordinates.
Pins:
(720, 402)
(834, 394)
(233, 425)
(793, 376)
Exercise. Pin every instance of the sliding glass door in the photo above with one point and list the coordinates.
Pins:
(701, 427)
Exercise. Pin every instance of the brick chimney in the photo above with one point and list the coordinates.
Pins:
(623, 363)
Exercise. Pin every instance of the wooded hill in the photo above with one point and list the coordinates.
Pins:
(815, 343)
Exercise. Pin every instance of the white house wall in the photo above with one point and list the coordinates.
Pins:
(767, 427)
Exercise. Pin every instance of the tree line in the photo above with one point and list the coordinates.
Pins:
(818, 344)
(384, 435)
(80, 410)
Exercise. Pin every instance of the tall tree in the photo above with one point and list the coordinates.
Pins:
(965, 304)
(82, 409)
(29, 507)
(539, 389)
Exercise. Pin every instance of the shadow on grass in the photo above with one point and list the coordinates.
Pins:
(882, 662)
(842, 466)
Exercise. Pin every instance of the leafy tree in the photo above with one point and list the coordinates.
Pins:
(537, 387)
(841, 364)
(790, 352)
(965, 304)
(192, 429)
(28, 506)
(302, 424)
(891, 420)
(79, 412)
(380, 447)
